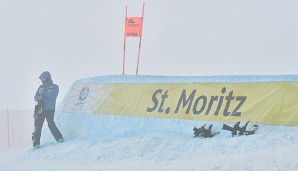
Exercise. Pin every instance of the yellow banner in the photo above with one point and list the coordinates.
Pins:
(265, 102)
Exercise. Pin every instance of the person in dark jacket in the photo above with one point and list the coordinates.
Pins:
(46, 95)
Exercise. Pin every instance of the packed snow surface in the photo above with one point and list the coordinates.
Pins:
(111, 142)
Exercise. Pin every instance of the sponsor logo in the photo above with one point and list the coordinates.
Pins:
(132, 34)
(131, 21)
(82, 96)
(83, 93)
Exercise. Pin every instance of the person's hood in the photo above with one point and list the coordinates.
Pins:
(46, 75)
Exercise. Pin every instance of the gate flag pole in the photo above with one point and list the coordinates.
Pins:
(124, 42)
(138, 63)
(133, 28)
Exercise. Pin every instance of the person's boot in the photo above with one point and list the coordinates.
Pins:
(36, 146)
(60, 140)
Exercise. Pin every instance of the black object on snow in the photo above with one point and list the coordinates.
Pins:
(241, 130)
(203, 132)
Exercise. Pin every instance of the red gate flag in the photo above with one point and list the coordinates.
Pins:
(133, 26)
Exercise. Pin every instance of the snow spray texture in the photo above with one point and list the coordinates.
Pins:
(262, 102)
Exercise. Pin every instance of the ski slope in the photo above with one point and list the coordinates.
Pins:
(106, 142)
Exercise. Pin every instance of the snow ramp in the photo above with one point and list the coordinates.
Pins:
(101, 105)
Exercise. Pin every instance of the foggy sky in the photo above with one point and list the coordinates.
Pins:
(75, 39)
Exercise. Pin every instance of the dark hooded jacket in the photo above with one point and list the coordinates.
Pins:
(50, 92)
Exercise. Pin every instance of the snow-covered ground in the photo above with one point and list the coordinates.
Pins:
(105, 142)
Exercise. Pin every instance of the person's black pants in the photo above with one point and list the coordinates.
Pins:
(38, 123)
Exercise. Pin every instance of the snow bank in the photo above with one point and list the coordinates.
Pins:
(108, 142)
(92, 126)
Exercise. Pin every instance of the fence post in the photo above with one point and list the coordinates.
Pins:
(7, 128)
